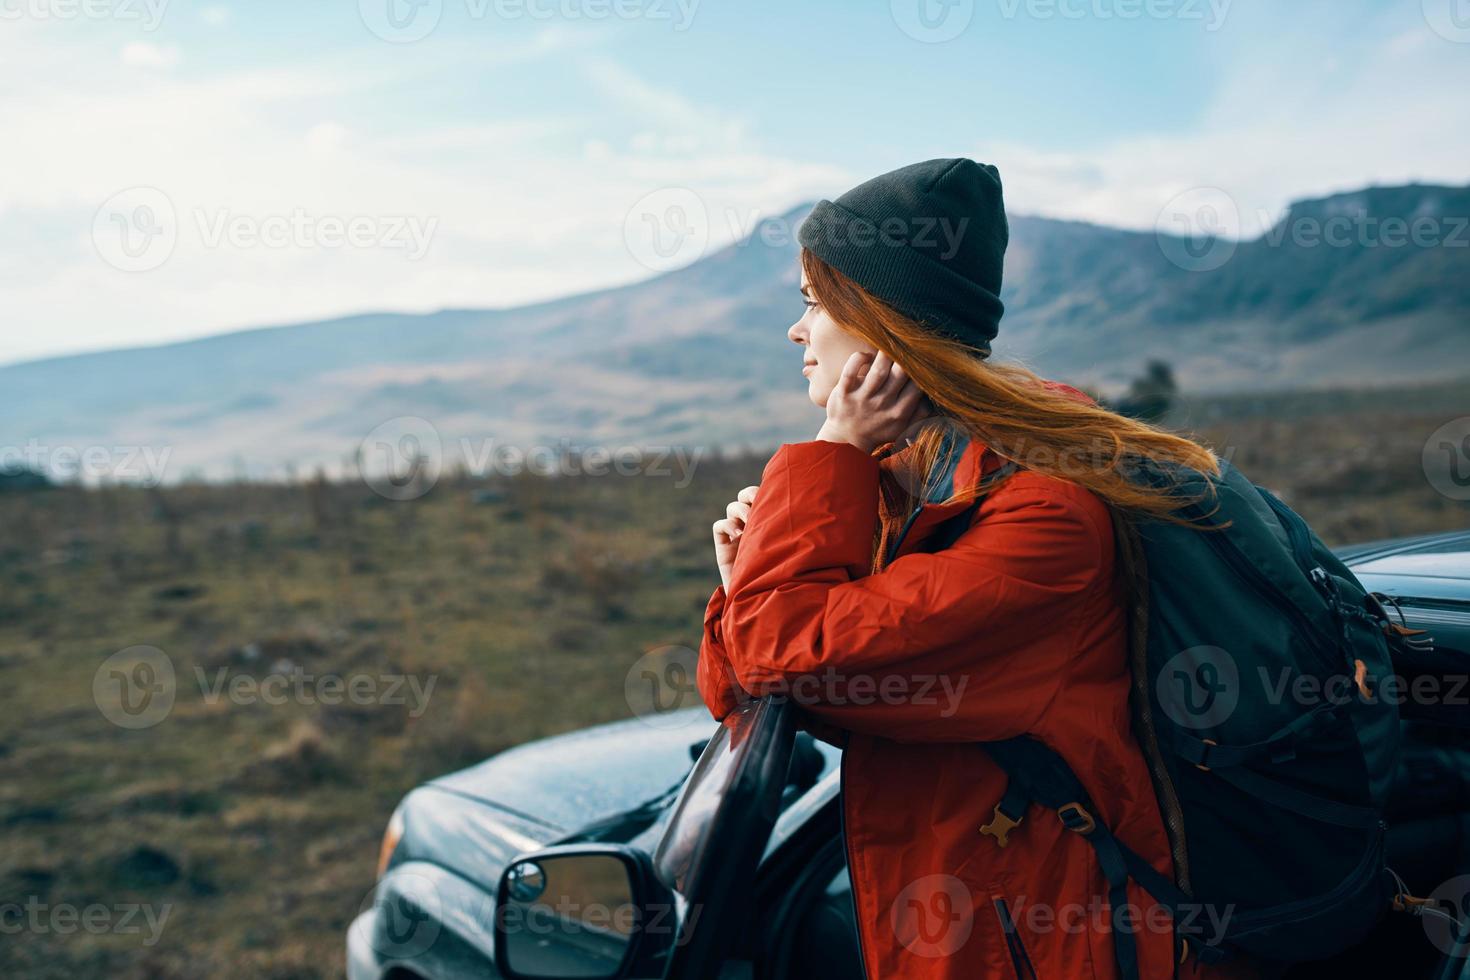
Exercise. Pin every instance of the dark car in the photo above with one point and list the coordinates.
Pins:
(689, 848)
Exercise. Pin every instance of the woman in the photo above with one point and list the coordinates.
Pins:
(908, 640)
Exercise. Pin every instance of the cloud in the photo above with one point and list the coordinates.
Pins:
(157, 57)
(245, 159)
(1297, 113)
(528, 194)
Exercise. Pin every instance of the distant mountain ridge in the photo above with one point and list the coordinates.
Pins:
(699, 356)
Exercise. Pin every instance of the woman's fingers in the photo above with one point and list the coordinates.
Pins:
(853, 372)
(728, 530)
(905, 388)
(725, 532)
(912, 404)
(879, 373)
(897, 380)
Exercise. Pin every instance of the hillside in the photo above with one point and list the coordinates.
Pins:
(699, 356)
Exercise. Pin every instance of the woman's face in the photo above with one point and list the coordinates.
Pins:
(827, 345)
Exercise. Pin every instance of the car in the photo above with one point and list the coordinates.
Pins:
(688, 848)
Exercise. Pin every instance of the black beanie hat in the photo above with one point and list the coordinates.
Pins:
(928, 239)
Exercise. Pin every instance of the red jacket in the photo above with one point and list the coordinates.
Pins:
(1014, 629)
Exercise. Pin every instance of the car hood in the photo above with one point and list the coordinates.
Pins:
(475, 821)
(1449, 552)
(1426, 567)
(566, 781)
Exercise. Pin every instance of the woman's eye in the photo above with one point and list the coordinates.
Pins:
(809, 304)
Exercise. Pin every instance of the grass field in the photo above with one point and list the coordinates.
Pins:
(246, 832)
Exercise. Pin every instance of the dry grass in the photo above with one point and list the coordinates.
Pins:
(257, 824)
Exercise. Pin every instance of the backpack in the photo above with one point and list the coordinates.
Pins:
(1256, 658)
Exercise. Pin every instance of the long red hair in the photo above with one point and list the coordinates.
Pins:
(1006, 406)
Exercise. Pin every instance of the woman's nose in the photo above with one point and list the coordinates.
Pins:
(796, 333)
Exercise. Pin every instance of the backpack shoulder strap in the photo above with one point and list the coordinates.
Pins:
(1131, 576)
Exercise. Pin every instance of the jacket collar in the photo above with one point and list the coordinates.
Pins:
(963, 462)
(969, 461)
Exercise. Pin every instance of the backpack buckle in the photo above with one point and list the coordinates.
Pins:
(1000, 825)
(1325, 583)
(1404, 902)
(1075, 818)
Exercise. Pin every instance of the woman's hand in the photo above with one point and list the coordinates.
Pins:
(873, 402)
(728, 531)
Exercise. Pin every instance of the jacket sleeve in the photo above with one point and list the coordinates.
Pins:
(715, 677)
(720, 690)
(958, 645)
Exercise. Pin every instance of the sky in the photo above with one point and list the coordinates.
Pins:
(173, 169)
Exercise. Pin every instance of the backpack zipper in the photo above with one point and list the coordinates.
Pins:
(1368, 865)
(1246, 570)
(1321, 578)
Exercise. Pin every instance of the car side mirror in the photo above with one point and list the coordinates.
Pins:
(583, 912)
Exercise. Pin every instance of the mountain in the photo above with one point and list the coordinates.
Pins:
(1366, 287)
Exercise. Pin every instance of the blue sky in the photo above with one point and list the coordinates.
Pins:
(495, 152)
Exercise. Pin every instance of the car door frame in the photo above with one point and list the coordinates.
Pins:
(711, 848)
